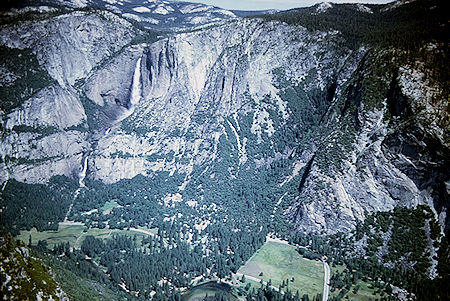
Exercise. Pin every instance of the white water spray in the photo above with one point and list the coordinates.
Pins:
(136, 87)
(83, 172)
(82, 176)
(136, 91)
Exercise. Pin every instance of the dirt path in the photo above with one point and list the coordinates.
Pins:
(148, 233)
(278, 240)
(239, 275)
(143, 231)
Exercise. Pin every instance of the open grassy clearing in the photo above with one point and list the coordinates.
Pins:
(278, 262)
(365, 293)
(108, 206)
(75, 234)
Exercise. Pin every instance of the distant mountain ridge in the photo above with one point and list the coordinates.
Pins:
(160, 14)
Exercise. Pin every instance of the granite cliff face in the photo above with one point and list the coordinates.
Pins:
(399, 156)
(46, 135)
(225, 73)
(243, 96)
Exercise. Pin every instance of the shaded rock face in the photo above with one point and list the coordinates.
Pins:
(243, 96)
(425, 161)
(399, 158)
(397, 102)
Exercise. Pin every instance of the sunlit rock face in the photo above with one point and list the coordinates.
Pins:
(47, 135)
(204, 82)
(244, 95)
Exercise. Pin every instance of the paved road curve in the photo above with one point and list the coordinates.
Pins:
(326, 281)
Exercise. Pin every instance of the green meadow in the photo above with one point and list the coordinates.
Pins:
(75, 234)
(276, 262)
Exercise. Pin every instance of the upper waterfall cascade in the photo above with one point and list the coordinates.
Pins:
(136, 89)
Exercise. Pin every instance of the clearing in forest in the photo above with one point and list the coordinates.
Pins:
(280, 262)
(75, 234)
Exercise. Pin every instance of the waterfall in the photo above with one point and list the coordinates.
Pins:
(135, 97)
(83, 172)
(136, 86)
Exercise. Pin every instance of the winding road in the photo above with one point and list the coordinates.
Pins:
(326, 281)
(148, 233)
(143, 231)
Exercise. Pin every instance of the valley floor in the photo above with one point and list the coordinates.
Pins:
(283, 267)
(276, 264)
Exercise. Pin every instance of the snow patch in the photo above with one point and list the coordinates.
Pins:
(141, 9)
(140, 19)
(112, 2)
(113, 8)
(199, 20)
(132, 16)
(79, 3)
(225, 12)
(396, 4)
(194, 8)
(151, 20)
(163, 10)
